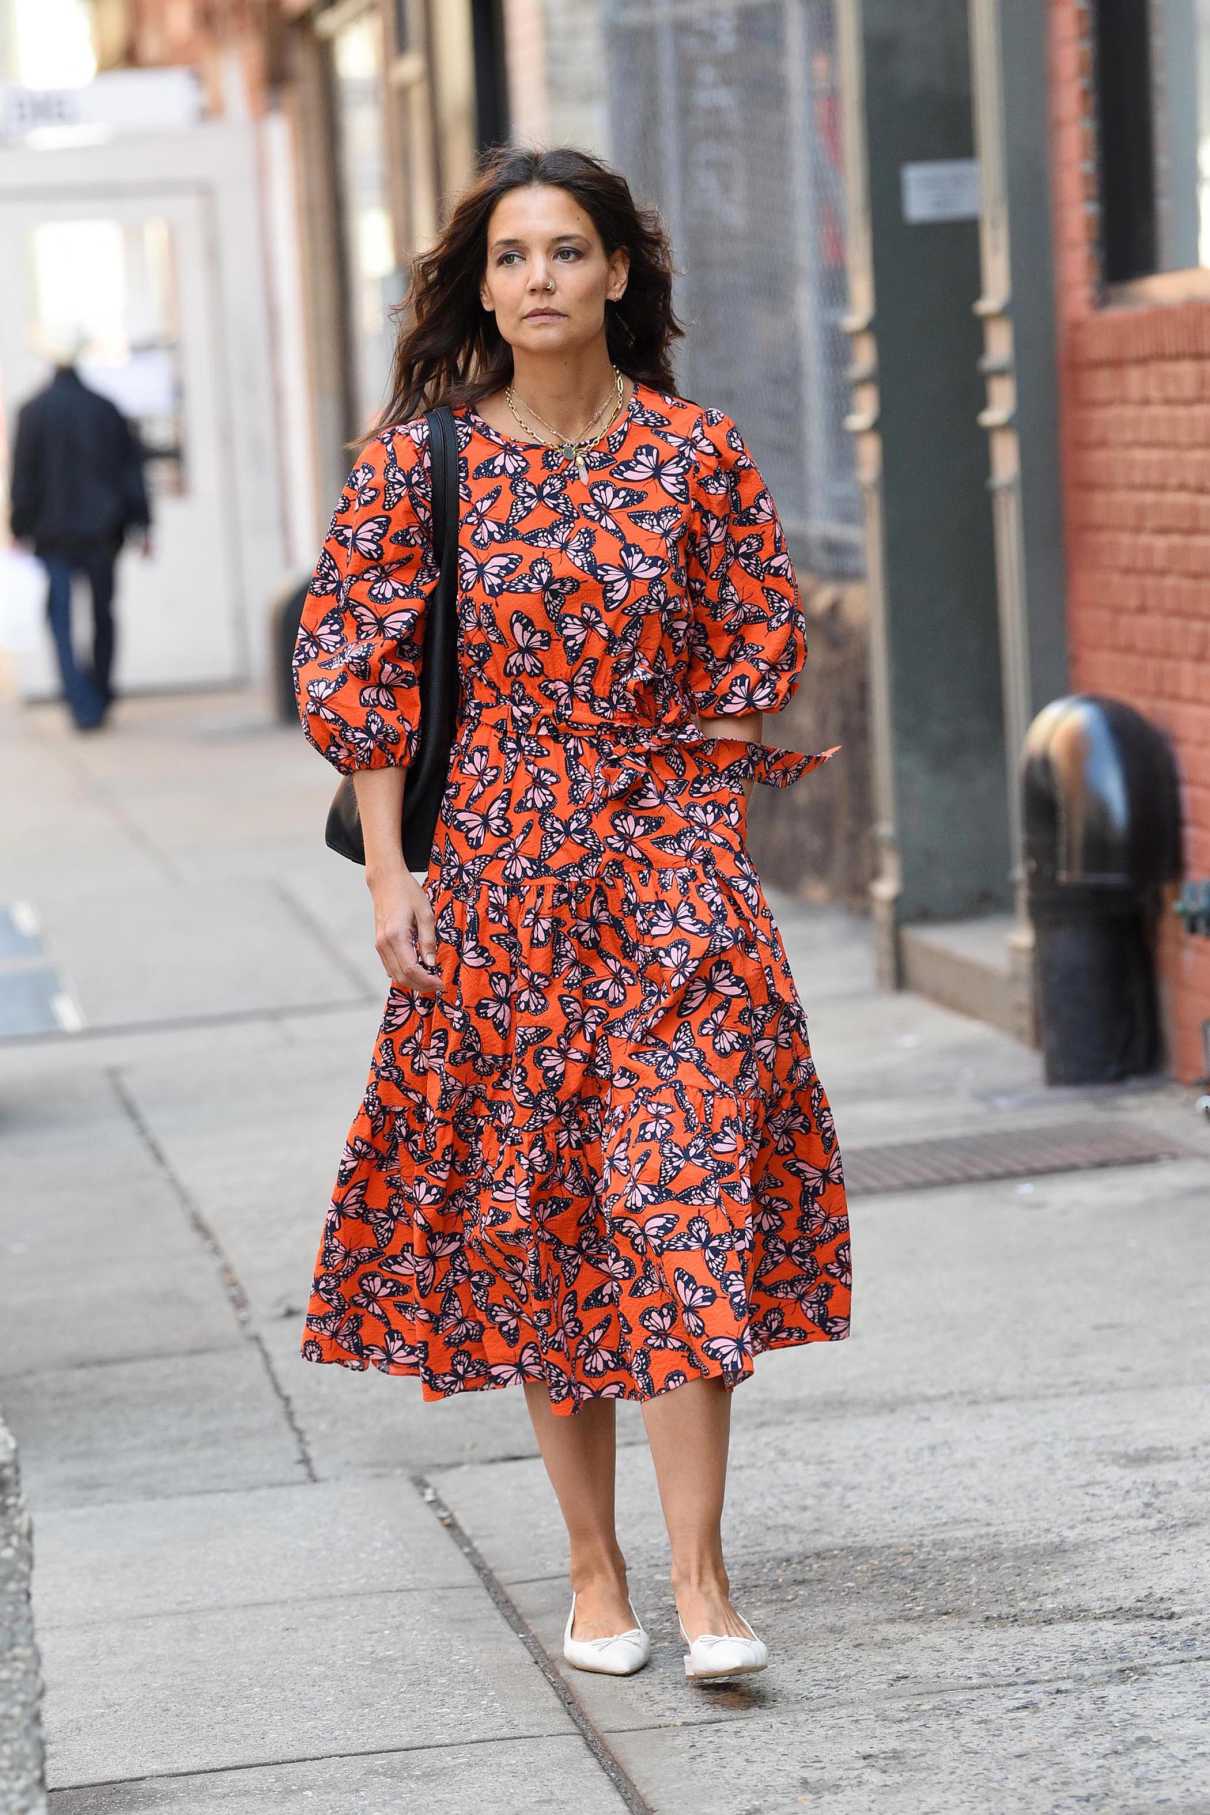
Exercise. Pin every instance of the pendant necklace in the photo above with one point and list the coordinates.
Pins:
(571, 448)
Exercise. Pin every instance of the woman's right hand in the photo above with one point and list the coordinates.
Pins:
(405, 935)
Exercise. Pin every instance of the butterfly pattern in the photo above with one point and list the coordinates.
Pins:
(603, 1158)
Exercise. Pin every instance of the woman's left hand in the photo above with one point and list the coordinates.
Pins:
(745, 726)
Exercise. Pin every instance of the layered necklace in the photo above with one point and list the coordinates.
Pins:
(572, 448)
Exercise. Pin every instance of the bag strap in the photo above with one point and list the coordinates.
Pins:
(440, 680)
(443, 467)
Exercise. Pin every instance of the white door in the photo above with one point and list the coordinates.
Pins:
(134, 273)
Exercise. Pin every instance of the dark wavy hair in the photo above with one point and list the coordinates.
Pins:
(449, 349)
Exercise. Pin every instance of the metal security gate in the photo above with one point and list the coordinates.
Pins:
(725, 115)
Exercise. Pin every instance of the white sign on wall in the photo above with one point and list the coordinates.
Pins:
(120, 101)
(945, 189)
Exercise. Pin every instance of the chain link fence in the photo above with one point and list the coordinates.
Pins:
(725, 115)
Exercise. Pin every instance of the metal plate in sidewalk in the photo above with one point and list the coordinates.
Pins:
(33, 999)
(19, 936)
(968, 1159)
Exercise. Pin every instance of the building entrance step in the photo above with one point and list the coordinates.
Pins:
(977, 966)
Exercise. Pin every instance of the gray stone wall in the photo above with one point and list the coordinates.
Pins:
(813, 838)
(576, 77)
(22, 1763)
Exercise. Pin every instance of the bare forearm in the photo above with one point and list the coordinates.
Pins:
(405, 935)
(380, 810)
(745, 725)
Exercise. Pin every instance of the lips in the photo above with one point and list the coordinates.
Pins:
(545, 315)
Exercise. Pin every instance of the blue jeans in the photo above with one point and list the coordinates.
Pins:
(88, 691)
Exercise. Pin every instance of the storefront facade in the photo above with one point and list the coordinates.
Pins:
(1130, 124)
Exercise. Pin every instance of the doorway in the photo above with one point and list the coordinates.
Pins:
(150, 248)
(128, 276)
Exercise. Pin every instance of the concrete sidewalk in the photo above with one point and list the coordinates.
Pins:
(975, 1535)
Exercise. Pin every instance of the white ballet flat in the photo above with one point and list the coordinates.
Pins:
(621, 1654)
(723, 1653)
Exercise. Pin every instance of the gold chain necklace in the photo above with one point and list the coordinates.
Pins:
(593, 420)
(569, 446)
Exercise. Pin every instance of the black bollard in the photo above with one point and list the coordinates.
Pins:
(287, 615)
(1102, 837)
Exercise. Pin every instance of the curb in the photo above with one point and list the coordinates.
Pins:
(22, 1755)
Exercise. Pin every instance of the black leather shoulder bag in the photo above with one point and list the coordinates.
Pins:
(428, 772)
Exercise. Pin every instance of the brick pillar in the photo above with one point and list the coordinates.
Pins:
(1135, 437)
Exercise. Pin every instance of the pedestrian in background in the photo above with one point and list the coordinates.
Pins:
(78, 491)
(594, 1159)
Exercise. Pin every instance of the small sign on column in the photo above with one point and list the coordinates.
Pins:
(944, 189)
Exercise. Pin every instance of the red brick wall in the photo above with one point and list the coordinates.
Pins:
(1135, 396)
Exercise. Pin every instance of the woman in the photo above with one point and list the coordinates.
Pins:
(594, 1158)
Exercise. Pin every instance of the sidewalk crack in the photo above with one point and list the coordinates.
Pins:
(594, 1739)
(299, 1758)
(237, 1298)
(317, 931)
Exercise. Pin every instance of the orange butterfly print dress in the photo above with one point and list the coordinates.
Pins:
(603, 1158)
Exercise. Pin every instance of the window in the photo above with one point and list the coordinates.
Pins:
(1153, 115)
(123, 325)
(491, 87)
(369, 238)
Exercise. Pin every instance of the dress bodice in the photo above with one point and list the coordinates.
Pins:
(657, 591)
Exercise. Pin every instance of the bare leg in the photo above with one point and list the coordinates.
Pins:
(579, 1454)
(689, 1430)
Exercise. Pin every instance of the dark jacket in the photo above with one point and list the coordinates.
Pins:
(77, 470)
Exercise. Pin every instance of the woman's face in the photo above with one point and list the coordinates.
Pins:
(544, 252)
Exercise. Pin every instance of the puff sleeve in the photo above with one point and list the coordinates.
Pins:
(747, 640)
(357, 657)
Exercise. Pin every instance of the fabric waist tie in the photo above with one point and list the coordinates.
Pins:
(633, 737)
